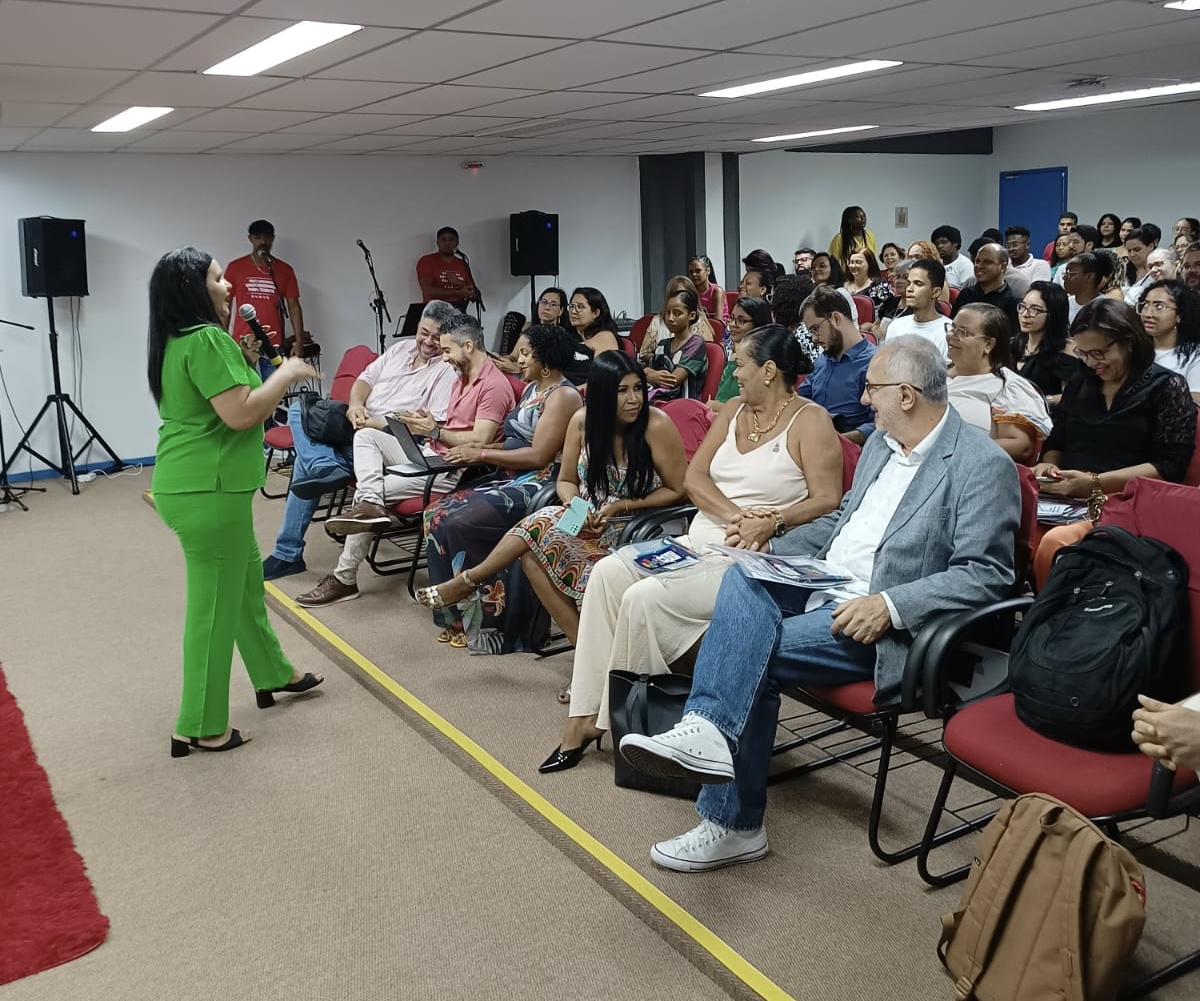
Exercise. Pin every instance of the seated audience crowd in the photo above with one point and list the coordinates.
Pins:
(930, 372)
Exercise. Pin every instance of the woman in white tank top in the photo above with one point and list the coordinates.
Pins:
(771, 460)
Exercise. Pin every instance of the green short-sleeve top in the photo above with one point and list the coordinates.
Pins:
(197, 451)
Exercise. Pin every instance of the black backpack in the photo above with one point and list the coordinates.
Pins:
(1105, 627)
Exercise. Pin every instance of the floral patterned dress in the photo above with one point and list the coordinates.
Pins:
(463, 527)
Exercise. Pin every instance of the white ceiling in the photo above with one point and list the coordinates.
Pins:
(620, 77)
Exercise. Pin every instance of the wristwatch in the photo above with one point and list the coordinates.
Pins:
(436, 433)
(780, 524)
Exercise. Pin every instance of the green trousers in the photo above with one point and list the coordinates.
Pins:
(225, 605)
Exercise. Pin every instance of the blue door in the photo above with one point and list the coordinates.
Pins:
(1034, 199)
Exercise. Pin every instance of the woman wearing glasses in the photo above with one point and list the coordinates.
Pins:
(551, 310)
(748, 313)
(592, 322)
(1171, 315)
(1042, 349)
(1124, 416)
(983, 387)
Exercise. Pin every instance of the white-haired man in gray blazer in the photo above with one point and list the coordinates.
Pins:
(928, 526)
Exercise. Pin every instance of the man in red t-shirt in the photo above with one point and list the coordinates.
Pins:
(445, 275)
(269, 285)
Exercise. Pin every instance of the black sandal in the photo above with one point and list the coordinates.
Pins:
(266, 696)
(180, 746)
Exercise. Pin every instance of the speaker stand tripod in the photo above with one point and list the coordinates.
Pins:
(8, 493)
(61, 403)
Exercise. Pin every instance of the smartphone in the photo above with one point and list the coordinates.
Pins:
(1048, 479)
(572, 519)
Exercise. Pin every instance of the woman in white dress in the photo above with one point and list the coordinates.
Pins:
(771, 460)
(984, 388)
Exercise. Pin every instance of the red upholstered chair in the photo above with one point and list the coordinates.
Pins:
(716, 367)
(718, 328)
(865, 309)
(852, 706)
(987, 741)
(637, 333)
(953, 295)
(692, 418)
(731, 298)
(278, 440)
(518, 384)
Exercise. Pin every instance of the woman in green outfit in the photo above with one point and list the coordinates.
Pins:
(748, 313)
(208, 464)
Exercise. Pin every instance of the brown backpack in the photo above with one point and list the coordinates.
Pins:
(1052, 909)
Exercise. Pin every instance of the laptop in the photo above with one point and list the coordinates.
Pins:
(418, 462)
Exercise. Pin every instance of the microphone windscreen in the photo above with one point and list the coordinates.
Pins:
(247, 312)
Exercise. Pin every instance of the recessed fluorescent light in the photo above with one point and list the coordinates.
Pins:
(131, 118)
(810, 135)
(800, 79)
(1184, 5)
(1124, 95)
(280, 47)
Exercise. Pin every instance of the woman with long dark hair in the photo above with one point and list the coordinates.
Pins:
(677, 361)
(827, 270)
(852, 235)
(1042, 348)
(463, 527)
(748, 313)
(1170, 312)
(550, 308)
(208, 465)
(621, 456)
(712, 296)
(1109, 228)
(1123, 416)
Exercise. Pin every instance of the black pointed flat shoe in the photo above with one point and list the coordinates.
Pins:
(266, 696)
(561, 760)
(180, 746)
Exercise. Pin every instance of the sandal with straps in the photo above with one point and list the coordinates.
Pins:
(431, 597)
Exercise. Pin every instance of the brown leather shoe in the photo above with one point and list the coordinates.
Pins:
(328, 592)
(365, 516)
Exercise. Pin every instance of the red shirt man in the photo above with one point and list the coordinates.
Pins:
(445, 276)
(265, 282)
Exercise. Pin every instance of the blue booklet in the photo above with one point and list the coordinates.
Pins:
(658, 556)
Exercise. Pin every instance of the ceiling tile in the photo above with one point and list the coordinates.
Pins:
(444, 99)
(177, 141)
(356, 144)
(93, 114)
(189, 89)
(1108, 52)
(239, 33)
(711, 73)
(352, 124)
(437, 56)
(19, 114)
(728, 25)
(11, 138)
(78, 139)
(324, 95)
(578, 20)
(275, 142)
(453, 125)
(54, 34)
(44, 83)
(387, 13)
(246, 120)
(582, 63)
(556, 103)
(210, 6)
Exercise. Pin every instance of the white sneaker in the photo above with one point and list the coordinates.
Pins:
(692, 749)
(709, 846)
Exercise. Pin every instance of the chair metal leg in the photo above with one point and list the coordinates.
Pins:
(931, 839)
(263, 488)
(1156, 980)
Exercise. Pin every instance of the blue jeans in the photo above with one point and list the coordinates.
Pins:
(311, 457)
(761, 638)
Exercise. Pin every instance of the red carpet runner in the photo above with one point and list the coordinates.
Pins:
(48, 912)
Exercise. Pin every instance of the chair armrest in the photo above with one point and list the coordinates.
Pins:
(643, 525)
(545, 497)
(923, 686)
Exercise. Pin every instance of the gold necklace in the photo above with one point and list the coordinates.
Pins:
(756, 434)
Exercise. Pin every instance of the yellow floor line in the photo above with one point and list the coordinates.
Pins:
(708, 940)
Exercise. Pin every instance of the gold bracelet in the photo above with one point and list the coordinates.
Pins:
(1096, 500)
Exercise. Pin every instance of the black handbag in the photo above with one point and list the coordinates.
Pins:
(647, 704)
(325, 420)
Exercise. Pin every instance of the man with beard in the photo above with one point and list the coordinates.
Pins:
(840, 371)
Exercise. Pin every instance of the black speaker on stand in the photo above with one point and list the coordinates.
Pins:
(533, 248)
(54, 263)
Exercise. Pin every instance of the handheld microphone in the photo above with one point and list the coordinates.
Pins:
(248, 313)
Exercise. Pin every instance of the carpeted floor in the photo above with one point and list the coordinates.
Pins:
(352, 851)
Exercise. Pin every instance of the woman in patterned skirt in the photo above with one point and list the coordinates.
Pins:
(621, 456)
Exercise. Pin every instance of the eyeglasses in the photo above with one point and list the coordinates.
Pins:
(1097, 355)
(957, 332)
(1155, 307)
(1031, 310)
(550, 302)
(870, 387)
(578, 307)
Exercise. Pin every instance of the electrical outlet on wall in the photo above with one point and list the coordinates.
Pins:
(902, 217)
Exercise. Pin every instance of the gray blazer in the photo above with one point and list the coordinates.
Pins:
(949, 546)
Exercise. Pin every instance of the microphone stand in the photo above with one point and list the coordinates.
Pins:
(8, 493)
(478, 300)
(378, 301)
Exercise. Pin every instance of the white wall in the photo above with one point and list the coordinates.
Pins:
(714, 215)
(1133, 162)
(796, 199)
(139, 206)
